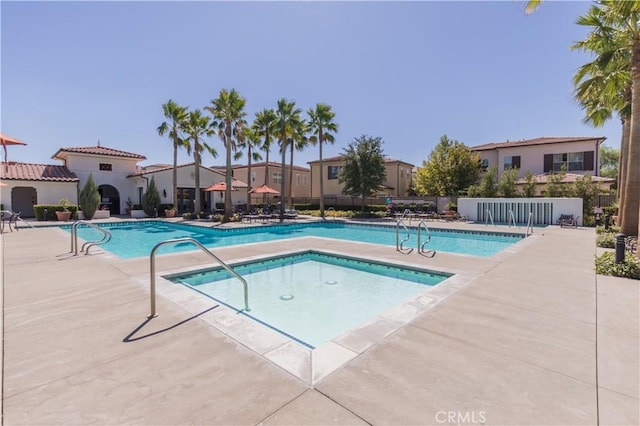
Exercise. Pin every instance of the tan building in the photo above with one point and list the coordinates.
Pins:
(399, 177)
(579, 155)
(301, 177)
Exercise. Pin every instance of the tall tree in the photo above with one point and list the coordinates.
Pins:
(287, 123)
(175, 115)
(197, 127)
(251, 143)
(228, 111)
(615, 24)
(450, 168)
(264, 124)
(298, 142)
(363, 170)
(321, 125)
(609, 158)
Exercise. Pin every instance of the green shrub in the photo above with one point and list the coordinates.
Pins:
(606, 240)
(151, 199)
(613, 229)
(89, 198)
(630, 268)
(51, 209)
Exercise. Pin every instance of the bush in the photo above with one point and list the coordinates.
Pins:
(606, 240)
(630, 268)
(51, 209)
(89, 198)
(613, 229)
(151, 199)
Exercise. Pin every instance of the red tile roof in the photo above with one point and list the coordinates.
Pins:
(536, 141)
(37, 172)
(339, 158)
(98, 150)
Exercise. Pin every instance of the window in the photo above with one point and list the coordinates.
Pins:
(276, 177)
(333, 172)
(298, 179)
(305, 181)
(401, 173)
(572, 161)
(512, 162)
(253, 177)
(484, 164)
(106, 167)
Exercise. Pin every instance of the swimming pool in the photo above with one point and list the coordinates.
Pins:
(136, 239)
(312, 296)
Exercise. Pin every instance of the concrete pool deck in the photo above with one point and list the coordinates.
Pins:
(525, 339)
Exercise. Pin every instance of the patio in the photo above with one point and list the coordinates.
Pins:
(526, 339)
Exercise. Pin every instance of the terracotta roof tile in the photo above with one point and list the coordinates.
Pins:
(37, 172)
(99, 150)
(536, 141)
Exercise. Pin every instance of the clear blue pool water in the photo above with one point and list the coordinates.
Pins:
(136, 239)
(313, 297)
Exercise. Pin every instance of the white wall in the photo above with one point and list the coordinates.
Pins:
(545, 210)
(46, 192)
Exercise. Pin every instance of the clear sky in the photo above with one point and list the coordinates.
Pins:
(74, 73)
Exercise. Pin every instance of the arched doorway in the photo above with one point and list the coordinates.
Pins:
(109, 198)
(22, 200)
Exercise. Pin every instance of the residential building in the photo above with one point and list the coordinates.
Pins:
(578, 155)
(397, 184)
(301, 177)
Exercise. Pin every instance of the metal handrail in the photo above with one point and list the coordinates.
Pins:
(87, 245)
(152, 268)
(421, 225)
(489, 216)
(399, 244)
(512, 217)
(334, 212)
(529, 224)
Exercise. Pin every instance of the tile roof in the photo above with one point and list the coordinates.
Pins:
(568, 178)
(536, 141)
(98, 150)
(339, 157)
(36, 172)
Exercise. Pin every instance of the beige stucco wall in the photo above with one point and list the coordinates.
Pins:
(399, 178)
(301, 178)
(45, 193)
(532, 156)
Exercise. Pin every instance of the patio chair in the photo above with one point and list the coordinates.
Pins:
(568, 221)
(631, 244)
(10, 219)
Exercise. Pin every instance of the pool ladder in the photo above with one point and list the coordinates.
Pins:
(87, 245)
(152, 269)
(420, 247)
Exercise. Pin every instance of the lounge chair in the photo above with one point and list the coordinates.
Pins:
(568, 221)
(9, 218)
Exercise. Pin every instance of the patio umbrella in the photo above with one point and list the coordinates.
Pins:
(220, 186)
(264, 189)
(8, 140)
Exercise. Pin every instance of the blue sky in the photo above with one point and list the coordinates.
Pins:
(74, 73)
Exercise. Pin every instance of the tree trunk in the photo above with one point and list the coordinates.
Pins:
(196, 157)
(227, 178)
(622, 164)
(290, 193)
(283, 147)
(249, 187)
(321, 172)
(175, 175)
(631, 192)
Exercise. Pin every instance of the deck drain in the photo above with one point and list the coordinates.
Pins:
(331, 282)
(286, 297)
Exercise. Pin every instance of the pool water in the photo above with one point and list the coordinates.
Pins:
(311, 296)
(136, 239)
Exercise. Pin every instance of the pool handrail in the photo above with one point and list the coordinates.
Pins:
(489, 216)
(152, 270)
(87, 245)
(399, 244)
(512, 218)
(529, 224)
(334, 212)
(422, 225)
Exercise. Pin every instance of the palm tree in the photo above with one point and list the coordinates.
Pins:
(264, 125)
(197, 127)
(251, 143)
(320, 124)
(288, 122)
(176, 115)
(298, 142)
(228, 110)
